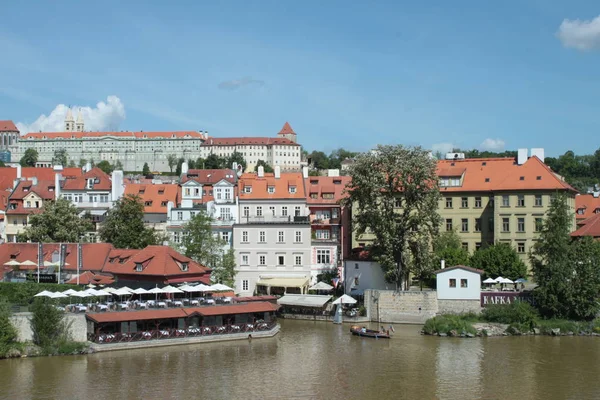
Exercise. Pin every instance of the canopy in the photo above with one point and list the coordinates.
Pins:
(80, 294)
(295, 282)
(57, 295)
(140, 291)
(128, 289)
(12, 263)
(345, 299)
(203, 288)
(69, 292)
(490, 280)
(44, 293)
(321, 286)
(51, 264)
(121, 292)
(499, 279)
(156, 290)
(521, 280)
(109, 289)
(506, 280)
(171, 289)
(101, 292)
(304, 300)
(28, 263)
(219, 287)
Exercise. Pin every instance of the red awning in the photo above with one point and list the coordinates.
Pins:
(201, 279)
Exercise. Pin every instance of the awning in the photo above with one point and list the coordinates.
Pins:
(304, 300)
(297, 282)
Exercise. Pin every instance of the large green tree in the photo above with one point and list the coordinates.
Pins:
(394, 197)
(48, 326)
(213, 161)
(199, 243)
(30, 158)
(146, 169)
(224, 271)
(60, 157)
(499, 259)
(58, 222)
(236, 157)
(124, 225)
(448, 247)
(105, 166)
(172, 161)
(263, 163)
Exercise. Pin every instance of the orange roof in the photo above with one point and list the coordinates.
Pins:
(94, 254)
(137, 135)
(253, 307)
(101, 181)
(8, 126)
(154, 197)
(232, 141)
(494, 174)
(588, 203)
(286, 130)
(316, 186)
(281, 186)
(89, 277)
(209, 176)
(44, 189)
(589, 227)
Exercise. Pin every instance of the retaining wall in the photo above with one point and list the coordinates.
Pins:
(409, 307)
(459, 306)
(77, 321)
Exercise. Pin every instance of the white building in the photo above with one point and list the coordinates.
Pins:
(360, 275)
(458, 283)
(9, 133)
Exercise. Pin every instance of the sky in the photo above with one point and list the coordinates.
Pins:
(469, 74)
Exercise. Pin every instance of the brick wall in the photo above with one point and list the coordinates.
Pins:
(400, 307)
(458, 306)
(77, 321)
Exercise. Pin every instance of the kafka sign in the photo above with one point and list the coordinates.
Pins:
(44, 278)
(488, 298)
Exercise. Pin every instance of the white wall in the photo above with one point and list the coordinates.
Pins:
(471, 292)
(369, 274)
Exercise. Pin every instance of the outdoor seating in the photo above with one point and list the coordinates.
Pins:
(194, 302)
(102, 307)
(162, 304)
(178, 303)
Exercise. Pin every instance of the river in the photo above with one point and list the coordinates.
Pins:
(317, 360)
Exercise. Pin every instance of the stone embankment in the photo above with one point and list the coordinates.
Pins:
(488, 329)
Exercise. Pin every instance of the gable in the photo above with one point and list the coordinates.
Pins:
(191, 182)
(223, 183)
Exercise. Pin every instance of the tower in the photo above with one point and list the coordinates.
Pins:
(287, 132)
(69, 121)
(79, 125)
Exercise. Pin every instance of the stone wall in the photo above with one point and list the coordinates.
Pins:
(77, 321)
(400, 307)
(458, 306)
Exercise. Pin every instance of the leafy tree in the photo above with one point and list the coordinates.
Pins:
(30, 158)
(179, 166)
(199, 243)
(146, 169)
(60, 157)
(59, 222)
(200, 163)
(394, 197)
(8, 333)
(337, 156)
(118, 166)
(264, 164)
(448, 247)
(213, 161)
(499, 259)
(72, 164)
(124, 225)
(2, 165)
(82, 162)
(319, 160)
(172, 161)
(48, 326)
(237, 158)
(224, 271)
(105, 166)
(191, 164)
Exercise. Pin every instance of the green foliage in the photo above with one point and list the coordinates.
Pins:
(499, 259)
(82, 162)
(484, 154)
(213, 161)
(263, 163)
(448, 247)
(58, 222)
(30, 158)
(199, 243)
(8, 333)
(172, 161)
(237, 158)
(72, 164)
(394, 197)
(22, 293)
(191, 164)
(517, 312)
(60, 157)
(145, 169)
(105, 166)
(118, 166)
(48, 326)
(450, 322)
(124, 225)
(180, 162)
(547, 325)
(224, 271)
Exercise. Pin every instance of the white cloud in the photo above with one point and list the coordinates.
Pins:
(106, 116)
(492, 144)
(580, 35)
(442, 147)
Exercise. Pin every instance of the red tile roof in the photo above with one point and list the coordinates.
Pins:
(495, 174)
(286, 130)
(249, 299)
(137, 135)
(101, 181)
(89, 277)
(233, 141)
(588, 203)
(319, 185)
(254, 307)
(8, 126)
(475, 270)
(154, 197)
(94, 254)
(209, 176)
(589, 227)
(281, 185)
(43, 189)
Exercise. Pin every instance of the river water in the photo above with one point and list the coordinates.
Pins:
(318, 360)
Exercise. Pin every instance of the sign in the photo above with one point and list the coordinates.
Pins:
(40, 256)
(63, 255)
(488, 298)
(44, 278)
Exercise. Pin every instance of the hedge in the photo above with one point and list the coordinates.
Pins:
(22, 293)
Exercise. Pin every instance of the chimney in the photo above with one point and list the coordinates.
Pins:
(117, 188)
(277, 172)
(538, 152)
(443, 264)
(305, 172)
(184, 168)
(169, 208)
(261, 171)
(88, 167)
(57, 178)
(57, 168)
(521, 156)
(33, 180)
(19, 171)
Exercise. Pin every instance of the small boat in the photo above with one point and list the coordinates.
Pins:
(361, 331)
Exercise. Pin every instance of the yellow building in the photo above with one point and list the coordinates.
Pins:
(27, 198)
(495, 200)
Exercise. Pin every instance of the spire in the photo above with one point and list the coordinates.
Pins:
(286, 130)
(69, 121)
(80, 117)
(69, 116)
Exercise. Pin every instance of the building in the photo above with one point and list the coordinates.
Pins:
(156, 199)
(586, 206)
(458, 283)
(272, 238)
(9, 134)
(488, 200)
(360, 275)
(588, 227)
(331, 235)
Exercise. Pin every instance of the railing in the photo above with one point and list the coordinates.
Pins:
(324, 221)
(273, 219)
(172, 333)
(331, 238)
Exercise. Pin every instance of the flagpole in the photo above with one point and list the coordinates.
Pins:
(59, 260)
(78, 259)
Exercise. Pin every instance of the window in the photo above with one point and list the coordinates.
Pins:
(477, 202)
(245, 285)
(179, 215)
(452, 283)
(284, 211)
(262, 260)
(139, 267)
(520, 200)
(246, 211)
(225, 236)
(184, 267)
(465, 246)
(539, 224)
(297, 211)
(247, 189)
(298, 236)
(520, 247)
(280, 237)
(323, 256)
(292, 189)
(505, 201)
(398, 203)
(323, 234)
(356, 281)
(259, 211)
(465, 225)
(226, 214)
(356, 266)
(477, 224)
(271, 189)
(449, 224)
(520, 224)
(281, 260)
(177, 237)
(464, 202)
(463, 283)
(297, 260)
(448, 202)
(28, 204)
(244, 236)
(262, 237)
(244, 259)
(538, 200)
(505, 225)
(192, 214)
(218, 193)
(477, 246)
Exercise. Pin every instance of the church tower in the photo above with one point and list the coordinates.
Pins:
(287, 132)
(69, 121)
(79, 125)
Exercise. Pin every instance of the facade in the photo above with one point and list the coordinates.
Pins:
(588, 227)
(586, 206)
(156, 199)
(360, 275)
(9, 134)
(272, 238)
(458, 283)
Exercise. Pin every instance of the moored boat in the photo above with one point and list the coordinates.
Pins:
(362, 331)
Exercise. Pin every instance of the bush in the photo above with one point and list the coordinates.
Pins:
(22, 293)
(362, 311)
(547, 325)
(48, 326)
(8, 333)
(517, 313)
(447, 323)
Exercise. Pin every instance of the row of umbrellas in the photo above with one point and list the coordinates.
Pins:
(504, 280)
(125, 291)
(29, 263)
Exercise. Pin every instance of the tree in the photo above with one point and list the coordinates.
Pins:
(105, 166)
(199, 243)
(499, 259)
(213, 161)
(191, 164)
(172, 161)
(146, 169)
(2, 165)
(58, 222)
(118, 166)
(318, 160)
(179, 165)
(72, 164)
(264, 164)
(237, 158)
(394, 197)
(124, 225)
(30, 158)
(200, 163)
(224, 271)
(60, 157)
(82, 162)
(48, 326)
(8, 333)
(448, 247)
(337, 156)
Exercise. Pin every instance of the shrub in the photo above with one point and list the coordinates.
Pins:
(547, 325)
(48, 326)
(22, 293)
(449, 322)
(518, 313)
(8, 333)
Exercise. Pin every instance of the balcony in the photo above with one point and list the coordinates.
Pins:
(317, 220)
(333, 237)
(273, 219)
(223, 221)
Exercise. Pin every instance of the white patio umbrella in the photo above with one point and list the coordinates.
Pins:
(140, 291)
(219, 287)
(109, 289)
(101, 293)
(185, 288)
(490, 280)
(130, 290)
(345, 299)
(204, 288)
(44, 293)
(321, 286)
(121, 292)
(51, 264)
(12, 263)
(69, 292)
(58, 295)
(506, 280)
(171, 289)
(91, 286)
(29, 263)
(156, 291)
(81, 294)
(499, 279)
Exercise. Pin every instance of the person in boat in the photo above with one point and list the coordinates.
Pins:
(363, 329)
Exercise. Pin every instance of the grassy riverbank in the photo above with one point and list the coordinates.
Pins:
(518, 318)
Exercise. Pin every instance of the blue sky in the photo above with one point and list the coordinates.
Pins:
(434, 73)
